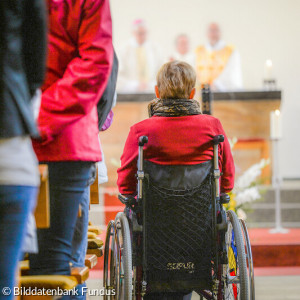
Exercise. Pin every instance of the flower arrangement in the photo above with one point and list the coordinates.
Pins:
(246, 188)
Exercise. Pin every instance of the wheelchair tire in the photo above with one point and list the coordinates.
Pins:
(247, 246)
(109, 264)
(124, 264)
(236, 285)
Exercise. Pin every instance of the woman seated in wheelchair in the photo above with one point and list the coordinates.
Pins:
(178, 133)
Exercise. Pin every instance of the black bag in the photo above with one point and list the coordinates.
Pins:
(105, 104)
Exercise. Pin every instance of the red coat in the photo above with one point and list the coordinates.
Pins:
(80, 56)
(175, 141)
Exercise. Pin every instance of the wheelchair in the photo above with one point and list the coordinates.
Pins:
(175, 236)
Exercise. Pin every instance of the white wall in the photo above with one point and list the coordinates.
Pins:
(260, 29)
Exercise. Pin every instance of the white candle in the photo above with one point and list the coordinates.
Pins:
(275, 124)
(268, 69)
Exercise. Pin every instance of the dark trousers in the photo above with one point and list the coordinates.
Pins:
(68, 182)
(16, 203)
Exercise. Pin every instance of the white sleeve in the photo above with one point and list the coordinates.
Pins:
(231, 77)
(158, 60)
(124, 84)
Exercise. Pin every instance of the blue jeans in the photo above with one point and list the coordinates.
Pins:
(79, 243)
(16, 203)
(68, 183)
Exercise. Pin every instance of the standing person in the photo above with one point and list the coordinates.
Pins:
(23, 41)
(140, 60)
(218, 64)
(182, 50)
(79, 64)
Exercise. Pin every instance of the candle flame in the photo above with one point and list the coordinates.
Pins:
(277, 112)
(269, 63)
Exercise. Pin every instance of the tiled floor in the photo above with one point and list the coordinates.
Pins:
(278, 288)
(267, 288)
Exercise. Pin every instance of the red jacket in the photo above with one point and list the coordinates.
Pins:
(80, 56)
(175, 141)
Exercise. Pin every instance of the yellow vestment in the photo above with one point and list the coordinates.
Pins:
(210, 64)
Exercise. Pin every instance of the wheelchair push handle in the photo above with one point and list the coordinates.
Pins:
(217, 174)
(143, 140)
(140, 173)
(218, 139)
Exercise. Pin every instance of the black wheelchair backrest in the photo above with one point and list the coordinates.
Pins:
(178, 177)
(177, 226)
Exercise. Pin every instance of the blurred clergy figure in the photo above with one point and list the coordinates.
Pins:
(182, 52)
(139, 60)
(217, 63)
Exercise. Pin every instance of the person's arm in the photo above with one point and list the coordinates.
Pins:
(127, 172)
(125, 83)
(226, 164)
(34, 43)
(81, 87)
(231, 77)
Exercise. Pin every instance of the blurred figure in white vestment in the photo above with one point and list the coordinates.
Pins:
(182, 51)
(140, 61)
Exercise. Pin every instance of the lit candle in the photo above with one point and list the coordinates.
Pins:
(275, 124)
(268, 69)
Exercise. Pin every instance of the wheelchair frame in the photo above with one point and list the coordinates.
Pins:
(124, 262)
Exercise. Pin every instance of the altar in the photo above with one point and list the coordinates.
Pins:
(244, 115)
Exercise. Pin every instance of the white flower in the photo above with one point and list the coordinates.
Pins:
(247, 196)
(250, 175)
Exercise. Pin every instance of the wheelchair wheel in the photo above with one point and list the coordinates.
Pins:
(235, 272)
(248, 250)
(123, 258)
(109, 262)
